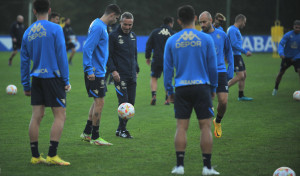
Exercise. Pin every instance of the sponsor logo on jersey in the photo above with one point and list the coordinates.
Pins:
(42, 70)
(164, 31)
(37, 31)
(190, 82)
(189, 39)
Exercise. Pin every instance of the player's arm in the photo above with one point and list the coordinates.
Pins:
(135, 56)
(61, 55)
(168, 68)
(229, 58)
(110, 62)
(149, 48)
(12, 32)
(90, 44)
(281, 46)
(25, 68)
(212, 65)
(234, 41)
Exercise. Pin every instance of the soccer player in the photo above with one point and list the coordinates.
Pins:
(192, 53)
(235, 37)
(156, 42)
(219, 21)
(50, 79)
(289, 51)
(70, 39)
(54, 17)
(17, 30)
(95, 56)
(223, 48)
(123, 65)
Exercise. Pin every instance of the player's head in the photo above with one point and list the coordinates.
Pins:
(186, 15)
(240, 21)
(112, 12)
(54, 17)
(205, 21)
(126, 22)
(219, 19)
(297, 26)
(20, 19)
(68, 21)
(169, 21)
(41, 7)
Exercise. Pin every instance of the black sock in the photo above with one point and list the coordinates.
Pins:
(53, 148)
(206, 160)
(95, 132)
(167, 97)
(34, 149)
(219, 118)
(88, 127)
(276, 86)
(153, 93)
(180, 158)
(241, 94)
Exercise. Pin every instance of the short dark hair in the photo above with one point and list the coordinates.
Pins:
(126, 15)
(239, 17)
(186, 14)
(54, 14)
(168, 20)
(112, 8)
(297, 22)
(41, 6)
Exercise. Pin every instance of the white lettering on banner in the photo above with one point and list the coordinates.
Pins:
(247, 44)
(270, 44)
(258, 44)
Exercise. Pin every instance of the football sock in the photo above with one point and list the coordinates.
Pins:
(241, 94)
(88, 127)
(95, 132)
(34, 149)
(153, 93)
(219, 118)
(167, 97)
(180, 158)
(53, 148)
(206, 160)
(276, 86)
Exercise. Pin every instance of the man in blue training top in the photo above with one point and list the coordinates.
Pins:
(156, 42)
(95, 56)
(43, 44)
(192, 53)
(219, 21)
(235, 37)
(289, 51)
(223, 50)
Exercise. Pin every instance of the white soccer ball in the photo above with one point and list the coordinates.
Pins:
(126, 111)
(11, 90)
(296, 95)
(284, 171)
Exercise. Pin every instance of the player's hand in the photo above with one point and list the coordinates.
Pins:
(171, 98)
(68, 88)
(213, 95)
(248, 53)
(116, 76)
(148, 61)
(91, 77)
(137, 75)
(27, 93)
(282, 57)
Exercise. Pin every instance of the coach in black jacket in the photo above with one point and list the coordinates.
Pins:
(123, 65)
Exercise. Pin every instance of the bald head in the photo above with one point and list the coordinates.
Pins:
(20, 18)
(205, 21)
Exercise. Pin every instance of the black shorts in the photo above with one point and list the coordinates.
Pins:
(156, 69)
(16, 46)
(96, 88)
(287, 62)
(48, 91)
(197, 97)
(239, 64)
(222, 82)
(70, 46)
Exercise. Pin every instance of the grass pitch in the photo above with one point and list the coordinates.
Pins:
(258, 136)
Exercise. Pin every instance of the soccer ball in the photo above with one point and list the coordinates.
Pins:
(284, 171)
(296, 95)
(11, 90)
(126, 111)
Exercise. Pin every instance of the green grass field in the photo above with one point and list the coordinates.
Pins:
(258, 136)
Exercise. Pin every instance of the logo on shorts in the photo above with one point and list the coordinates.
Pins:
(102, 82)
(226, 87)
(96, 91)
(118, 87)
(63, 101)
(123, 83)
(241, 63)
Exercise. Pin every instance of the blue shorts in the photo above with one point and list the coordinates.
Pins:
(197, 97)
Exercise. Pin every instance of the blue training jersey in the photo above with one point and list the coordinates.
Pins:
(236, 40)
(193, 55)
(44, 44)
(223, 49)
(95, 49)
(289, 45)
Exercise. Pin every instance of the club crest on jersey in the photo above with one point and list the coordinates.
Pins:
(132, 37)
(121, 41)
(36, 31)
(294, 45)
(189, 39)
(218, 36)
